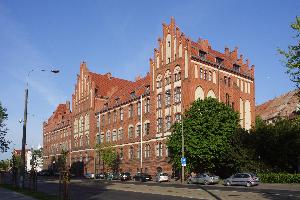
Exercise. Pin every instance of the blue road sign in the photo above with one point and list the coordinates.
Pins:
(183, 161)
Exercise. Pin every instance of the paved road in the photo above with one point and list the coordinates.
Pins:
(90, 189)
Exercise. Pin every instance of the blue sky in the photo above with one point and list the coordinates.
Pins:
(119, 37)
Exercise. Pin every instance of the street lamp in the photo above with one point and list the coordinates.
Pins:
(22, 176)
(182, 150)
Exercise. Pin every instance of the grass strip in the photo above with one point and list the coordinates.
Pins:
(27, 192)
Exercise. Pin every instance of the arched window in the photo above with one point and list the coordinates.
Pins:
(120, 134)
(177, 73)
(199, 93)
(247, 115)
(167, 77)
(108, 136)
(227, 99)
(159, 81)
(130, 131)
(130, 152)
(211, 94)
(114, 135)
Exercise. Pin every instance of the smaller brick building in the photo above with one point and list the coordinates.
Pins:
(57, 132)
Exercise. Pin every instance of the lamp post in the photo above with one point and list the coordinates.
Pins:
(182, 151)
(22, 176)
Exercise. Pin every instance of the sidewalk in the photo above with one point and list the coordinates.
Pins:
(12, 195)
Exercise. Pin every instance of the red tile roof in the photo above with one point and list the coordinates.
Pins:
(106, 84)
(282, 106)
(124, 94)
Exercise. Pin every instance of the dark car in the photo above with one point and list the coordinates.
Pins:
(143, 177)
(101, 175)
(125, 176)
(43, 173)
(113, 176)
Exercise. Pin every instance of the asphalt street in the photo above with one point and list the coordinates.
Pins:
(91, 189)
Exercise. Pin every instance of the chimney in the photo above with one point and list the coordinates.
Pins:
(68, 105)
(109, 76)
(138, 77)
(227, 52)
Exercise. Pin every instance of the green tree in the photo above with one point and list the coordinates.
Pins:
(3, 130)
(109, 156)
(62, 160)
(292, 55)
(36, 155)
(4, 165)
(207, 128)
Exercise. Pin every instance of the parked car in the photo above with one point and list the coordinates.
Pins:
(43, 173)
(101, 175)
(125, 176)
(113, 176)
(246, 179)
(205, 178)
(143, 177)
(89, 175)
(162, 177)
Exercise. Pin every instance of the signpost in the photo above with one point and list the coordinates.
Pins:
(183, 161)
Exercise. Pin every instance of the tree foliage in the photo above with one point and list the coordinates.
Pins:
(4, 144)
(109, 156)
(207, 128)
(36, 155)
(292, 55)
(4, 165)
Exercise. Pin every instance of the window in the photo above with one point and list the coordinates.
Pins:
(147, 151)
(236, 67)
(98, 121)
(138, 131)
(139, 108)
(159, 125)
(131, 152)
(202, 54)
(139, 151)
(159, 101)
(114, 135)
(130, 110)
(205, 74)
(80, 141)
(133, 95)
(147, 128)
(158, 82)
(130, 132)
(107, 136)
(103, 120)
(121, 114)
(147, 106)
(178, 76)
(102, 137)
(229, 81)
(168, 123)
(209, 76)
(159, 149)
(115, 116)
(227, 99)
(121, 153)
(120, 134)
(87, 140)
(168, 77)
(225, 80)
(108, 118)
(201, 73)
(219, 60)
(177, 96)
(168, 97)
(98, 139)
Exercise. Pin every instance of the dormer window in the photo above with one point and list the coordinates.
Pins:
(236, 67)
(133, 95)
(106, 105)
(202, 54)
(147, 88)
(219, 60)
(117, 100)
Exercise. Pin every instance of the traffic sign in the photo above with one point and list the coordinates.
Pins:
(183, 161)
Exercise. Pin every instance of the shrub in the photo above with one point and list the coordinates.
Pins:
(279, 178)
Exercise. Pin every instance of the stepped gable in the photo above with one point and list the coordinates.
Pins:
(282, 106)
(106, 84)
(124, 94)
(229, 57)
(60, 110)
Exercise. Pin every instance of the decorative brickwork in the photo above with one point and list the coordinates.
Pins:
(135, 117)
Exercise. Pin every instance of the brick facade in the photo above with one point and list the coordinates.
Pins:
(180, 72)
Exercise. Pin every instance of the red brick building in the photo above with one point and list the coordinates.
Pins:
(135, 117)
(57, 133)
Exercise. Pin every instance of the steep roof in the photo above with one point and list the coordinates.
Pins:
(124, 94)
(282, 106)
(107, 84)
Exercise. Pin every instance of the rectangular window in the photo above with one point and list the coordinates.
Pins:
(139, 108)
(159, 101)
(139, 151)
(168, 123)
(108, 118)
(130, 132)
(147, 106)
(147, 128)
(168, 97)
(225, 80)
(229, 81)
(178, 76)
(130, 111)
(205, 75)
(120, 134)
(202, 54)
(131, 152)
(114, 136)
(147, 151)
(102, 138)
(159, 125)
(177, 96)
(201, 73)
(209, 76)
(115, 116)
(103, 120)
(158, 84)
(138, 131)
(121, 114)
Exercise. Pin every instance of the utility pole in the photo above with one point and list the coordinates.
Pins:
(141, 145)
(182, 150)
(22, 177)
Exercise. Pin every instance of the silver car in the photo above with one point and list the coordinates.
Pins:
(246, 179)
(162, 177)
(204, 178)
